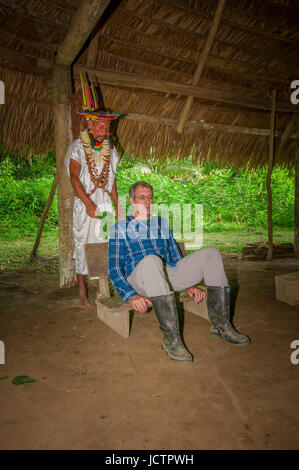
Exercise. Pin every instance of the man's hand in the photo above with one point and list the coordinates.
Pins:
(119, 213)
(140, 303)
(91, 209)
(198, 294)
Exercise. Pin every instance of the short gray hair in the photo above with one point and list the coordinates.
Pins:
(133, 188)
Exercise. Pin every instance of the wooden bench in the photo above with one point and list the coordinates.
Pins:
(110, 307)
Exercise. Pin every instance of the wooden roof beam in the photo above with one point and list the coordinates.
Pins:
(19, 60)
(136, 81)
(131, 80)
(203, 58)
(259, 78)
(204, 125)
(83, 23)
(208, 126)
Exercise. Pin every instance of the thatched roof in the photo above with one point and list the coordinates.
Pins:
(143, 55)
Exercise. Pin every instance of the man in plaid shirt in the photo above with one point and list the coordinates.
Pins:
(146, 266)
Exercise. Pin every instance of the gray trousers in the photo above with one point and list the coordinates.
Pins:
(151, 278)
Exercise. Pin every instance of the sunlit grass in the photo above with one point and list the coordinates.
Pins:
(14, 254)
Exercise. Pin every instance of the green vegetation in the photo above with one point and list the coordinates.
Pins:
(234, 201)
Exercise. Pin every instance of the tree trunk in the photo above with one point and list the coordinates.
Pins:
(296, 222)
(43, 219)
(63, 137)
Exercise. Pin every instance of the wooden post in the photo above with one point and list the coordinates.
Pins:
(63, 137)
(296, 221)
(83, 23)
(43, 219)
(269, 174)
(200, 67)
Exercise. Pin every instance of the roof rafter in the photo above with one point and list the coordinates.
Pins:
(209, 125)
(232, 24)
(178, 58)
(202, 61)
(24, 12)
(186, 76)
(177, 29)
(265, 21)
(284, 136)
(136, 81)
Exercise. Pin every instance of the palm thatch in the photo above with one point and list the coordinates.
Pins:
(143, 57)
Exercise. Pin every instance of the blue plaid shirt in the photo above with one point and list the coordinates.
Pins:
(130, 241)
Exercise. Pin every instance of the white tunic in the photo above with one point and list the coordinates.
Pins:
(87, 229)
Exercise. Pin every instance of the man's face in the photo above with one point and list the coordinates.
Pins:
(99, 128)
(142, 203)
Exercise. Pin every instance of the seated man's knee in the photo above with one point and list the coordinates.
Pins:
(153, 261)
(212, 253)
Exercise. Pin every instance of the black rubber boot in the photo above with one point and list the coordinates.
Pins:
(218, 303)
(166, 311)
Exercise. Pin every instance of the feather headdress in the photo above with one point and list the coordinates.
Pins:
(90, 107)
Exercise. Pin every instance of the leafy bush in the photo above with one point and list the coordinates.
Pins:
(232, 199)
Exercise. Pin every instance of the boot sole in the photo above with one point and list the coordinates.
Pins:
(178, 361)
(214, 335)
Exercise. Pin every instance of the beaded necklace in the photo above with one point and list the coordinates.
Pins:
(92, 160)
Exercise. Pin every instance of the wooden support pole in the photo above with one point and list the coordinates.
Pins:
(43, 219)
(296, 221)
(83, 23)
(197, 76)
(63, 137)
(269, 174)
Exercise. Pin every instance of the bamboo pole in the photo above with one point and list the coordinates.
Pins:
(296, 221)
(269, 174)
(43, 219)
(197, 76)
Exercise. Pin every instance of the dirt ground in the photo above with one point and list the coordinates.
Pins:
(97, 390)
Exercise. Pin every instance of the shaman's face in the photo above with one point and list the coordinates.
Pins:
(99, 128)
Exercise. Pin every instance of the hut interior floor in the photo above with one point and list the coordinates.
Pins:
(97, 390)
